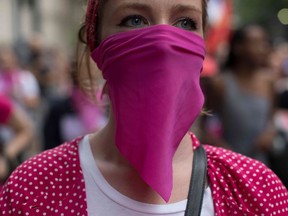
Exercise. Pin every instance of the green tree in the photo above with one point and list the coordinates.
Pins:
(262, 12)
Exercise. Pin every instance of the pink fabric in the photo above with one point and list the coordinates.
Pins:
(5, 109)
(153, 79)
(8, 82)
(52, 183)
(90, 112)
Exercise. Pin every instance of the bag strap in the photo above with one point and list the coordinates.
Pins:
(197, 183)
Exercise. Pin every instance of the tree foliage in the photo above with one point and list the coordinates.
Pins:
(263, 12)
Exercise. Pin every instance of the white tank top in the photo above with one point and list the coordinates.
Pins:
(104, 200)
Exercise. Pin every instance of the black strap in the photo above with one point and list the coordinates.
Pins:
(197, 183)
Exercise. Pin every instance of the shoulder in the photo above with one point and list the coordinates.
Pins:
(49, 160)
(28, 83)
(245, 182)
(235, 163)
(49, 171)
(26, 75)
(240, 166)
(266, 75)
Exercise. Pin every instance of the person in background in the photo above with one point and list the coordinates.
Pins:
(279, 153)
(16, 120)
(243, 96)
(151, 55)
(19, 85)
(22, 88)
(74, 115)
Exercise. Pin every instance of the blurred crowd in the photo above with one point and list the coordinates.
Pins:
(245, 83)
(246, 89)
(41, 103)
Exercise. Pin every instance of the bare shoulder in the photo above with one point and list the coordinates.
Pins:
(267, 75)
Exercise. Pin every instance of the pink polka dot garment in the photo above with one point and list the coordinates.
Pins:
(52, 184)
(49, 184)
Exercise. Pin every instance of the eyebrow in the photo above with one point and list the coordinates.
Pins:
(135, 5)
(177, 8)
(180, 8)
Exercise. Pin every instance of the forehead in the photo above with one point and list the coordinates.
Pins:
(256, 33)
(160, 5)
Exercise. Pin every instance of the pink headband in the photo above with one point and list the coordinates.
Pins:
(90, 22)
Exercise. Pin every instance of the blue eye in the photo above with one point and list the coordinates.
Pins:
(134, 21)
(186, 24)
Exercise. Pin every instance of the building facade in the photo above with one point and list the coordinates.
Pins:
(56, 21)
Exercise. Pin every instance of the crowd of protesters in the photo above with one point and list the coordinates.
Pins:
(246, 100)
(41, 104)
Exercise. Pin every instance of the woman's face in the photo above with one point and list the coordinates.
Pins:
(256, 46)
(125, 15)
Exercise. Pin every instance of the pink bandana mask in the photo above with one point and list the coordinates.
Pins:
(153, 78)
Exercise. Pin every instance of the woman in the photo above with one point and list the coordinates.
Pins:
(126, 168)
(18, 84)
(245, 94)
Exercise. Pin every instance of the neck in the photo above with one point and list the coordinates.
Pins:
(245, 70)
(123, 177)
(104, 148)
